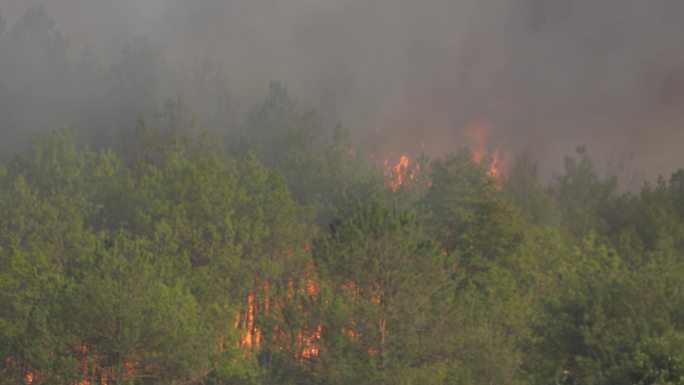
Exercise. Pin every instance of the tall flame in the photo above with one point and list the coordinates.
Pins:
(308, 340)
(395, 173)
(399, 174)
(494, 171)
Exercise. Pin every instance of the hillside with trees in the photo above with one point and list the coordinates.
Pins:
(158, 249)
(181, 260)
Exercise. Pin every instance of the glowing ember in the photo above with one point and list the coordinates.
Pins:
(311, 343)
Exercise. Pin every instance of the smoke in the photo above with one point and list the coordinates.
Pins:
(406, 75)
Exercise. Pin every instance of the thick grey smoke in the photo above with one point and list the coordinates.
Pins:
(548, 75)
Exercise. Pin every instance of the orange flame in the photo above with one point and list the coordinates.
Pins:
(395, 174)
(478, 132)
(399, 174)
(251, 334)
(310, 342)
(494, 165)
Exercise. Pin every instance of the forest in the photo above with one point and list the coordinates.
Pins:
(274, 252)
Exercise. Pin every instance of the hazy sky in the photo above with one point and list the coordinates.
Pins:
(548, 75)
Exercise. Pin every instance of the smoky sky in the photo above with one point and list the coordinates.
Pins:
(407, 75)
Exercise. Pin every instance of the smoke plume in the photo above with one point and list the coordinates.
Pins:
(407, 76)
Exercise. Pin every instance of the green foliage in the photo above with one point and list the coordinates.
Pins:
(467, 212)
(319, 167)
(119, 309)
(390, 300)
(659, 361)
(144, 266)
(582, 197)
(187, 258)
(525, 190)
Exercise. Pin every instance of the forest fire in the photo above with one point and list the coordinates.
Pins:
(252, 334)
(399, 174)
(395, 173)
(251, 337)
(478, 133)
(494, 167)
(467, 192)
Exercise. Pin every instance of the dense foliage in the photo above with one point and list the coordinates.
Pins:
(272, 254)
(184, 260)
